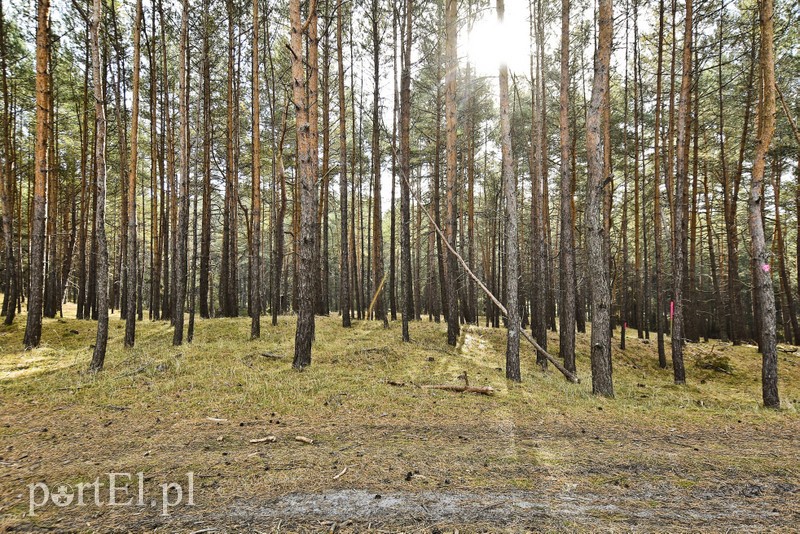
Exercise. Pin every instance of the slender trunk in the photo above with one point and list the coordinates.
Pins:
(405, 168)
(205, 231)
(378, 280)
(183, 188)
(324, 206)
(763, 279)
(566, 317)
(304, 335)
(681, 182)
(510, 188)
(344, 260)
(451, 60)
(255, 200)
(277, 261)
(130, 318)
(98, 357)
(7, 183)
(657, 224)
(313, 137)
(595, 147)
(393, 213)
(624, 305)
(786, 285)
(33, 328)
(538, 249)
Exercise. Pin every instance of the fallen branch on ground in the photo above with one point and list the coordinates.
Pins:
(483, 390)
(343, 471)
(271, 439)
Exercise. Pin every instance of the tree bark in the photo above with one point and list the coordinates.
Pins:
(451, 60)
(678, 223)
(33, 328)
(566, 316)
(510, 189)
(657, 223)
(405, 170)
(205, 231)
(377, 224)
(130, 318)
(763, 280)
(344, 260)
(595, 148)
(7, 183)
(393, 211)
(99, 355)
(183, 189)
(304, 334)
(255, 200)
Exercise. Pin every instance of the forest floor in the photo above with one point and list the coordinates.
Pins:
(387, 455)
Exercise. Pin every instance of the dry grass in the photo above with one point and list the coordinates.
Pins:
(655, 447)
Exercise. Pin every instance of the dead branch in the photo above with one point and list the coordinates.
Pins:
(572, 377)
(270, 439)
(483, 390)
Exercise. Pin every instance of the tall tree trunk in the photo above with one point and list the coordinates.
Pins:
(405, 170)
(595, 148)
(324, 205)
(510, 189)
(305, 319)
(451, 60)
(538, 247)
(205, 231)
(712, 251)
(53, 189)
(313, 137)
(344, 260)
(437, 180)
(639, 309)
(168, 185)
(277, 261)
(681, 182)
(99, 355)
(657, 224)
(763, 280)
(33, 327)
(119, 285)
(155, 239)
(393, 211)
(255, 200)
(566, 316)
(229, 289)
(378, 281)
(624, 306)
(7, 183)
(183, 189)
(786, 285)
(130, 318)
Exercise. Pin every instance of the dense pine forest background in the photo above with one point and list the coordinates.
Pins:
(635, 169)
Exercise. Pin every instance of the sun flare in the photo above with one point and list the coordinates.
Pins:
(491, 43)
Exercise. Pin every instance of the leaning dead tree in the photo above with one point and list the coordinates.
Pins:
(572, 377)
